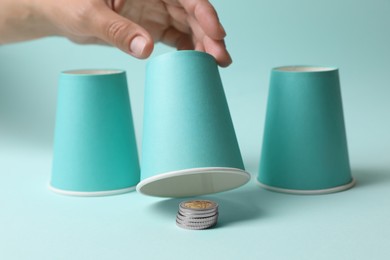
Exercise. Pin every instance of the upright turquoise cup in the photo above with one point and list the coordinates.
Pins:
(305, 146)
(189, 144)
(95, 152)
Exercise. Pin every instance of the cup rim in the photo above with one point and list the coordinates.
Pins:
(90, 193)
(192, 171)
(339, 188)
(304, 69)
(92, 72)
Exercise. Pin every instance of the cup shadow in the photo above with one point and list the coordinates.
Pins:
(368, 177)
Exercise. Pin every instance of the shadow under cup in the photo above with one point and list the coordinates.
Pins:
(95, 151)
(304, 147)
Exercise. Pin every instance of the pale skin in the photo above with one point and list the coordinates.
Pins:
(133, 26)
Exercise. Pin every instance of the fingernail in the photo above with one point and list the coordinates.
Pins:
(137, 45)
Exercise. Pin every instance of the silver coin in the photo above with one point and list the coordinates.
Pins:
(196, 219)
(194, 228)
(181, 217)
(189, 223)
(198, 212)
(191, 215)
(199, 227)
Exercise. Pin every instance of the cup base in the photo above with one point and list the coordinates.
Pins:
(309, 192)
(91, 193)
(193, 182)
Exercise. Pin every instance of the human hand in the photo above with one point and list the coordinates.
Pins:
(134, 25)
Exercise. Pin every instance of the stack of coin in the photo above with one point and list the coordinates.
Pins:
(197, 214)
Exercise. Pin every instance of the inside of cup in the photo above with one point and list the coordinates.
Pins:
(93, 72)
(193, 182)
(304, 68)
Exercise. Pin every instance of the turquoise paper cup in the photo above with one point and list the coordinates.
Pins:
(304, 147)
(95, 152)
(189, 144)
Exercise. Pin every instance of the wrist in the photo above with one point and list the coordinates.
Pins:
(40, 17)
(22, 20)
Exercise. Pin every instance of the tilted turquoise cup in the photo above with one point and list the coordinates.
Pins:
(305, 146)
(189, 144)
(95, 151)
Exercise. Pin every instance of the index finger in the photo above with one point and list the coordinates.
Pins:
(206, 16)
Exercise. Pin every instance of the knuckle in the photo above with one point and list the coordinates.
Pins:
(115, 31)
(80, 20)
(83, 13)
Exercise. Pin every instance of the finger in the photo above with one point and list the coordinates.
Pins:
(218, 50)
(196, 31)
(206, 16)
(175, 38)
(197, 34)
(199, 46)
(179, 18)
(122, 33)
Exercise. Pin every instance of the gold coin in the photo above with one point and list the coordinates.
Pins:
(198, 204)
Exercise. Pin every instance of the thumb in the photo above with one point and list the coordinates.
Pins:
(122, 33)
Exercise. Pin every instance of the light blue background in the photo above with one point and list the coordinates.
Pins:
(254, 223)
